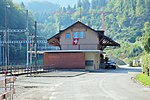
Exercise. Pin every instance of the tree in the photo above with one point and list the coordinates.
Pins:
(140, 7)
(86, 5)
(16, 19)
(97, 4)
(64, 9)
(79, 3)
(146, 37)
(94, 4)
(22, 5)
(124, 20)
(147, 3)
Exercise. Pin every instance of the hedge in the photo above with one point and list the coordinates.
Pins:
(146, 64)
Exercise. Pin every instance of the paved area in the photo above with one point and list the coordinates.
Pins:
(60, 74)
(108, 85)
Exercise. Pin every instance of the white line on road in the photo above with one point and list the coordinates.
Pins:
(114, 97)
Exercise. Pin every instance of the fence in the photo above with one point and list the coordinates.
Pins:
(8, 78)
(16, 70)
(7, 87)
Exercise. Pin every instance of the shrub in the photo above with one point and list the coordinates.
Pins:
(146, 63)
(130, 63)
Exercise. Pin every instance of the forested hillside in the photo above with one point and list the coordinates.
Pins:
(126, 25)
(124, 21)
(16, 19)
(127, 18)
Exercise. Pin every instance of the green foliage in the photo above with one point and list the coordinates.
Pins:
(146, 37)
(16, 19)
(86, 5)
(131, 63)
(124, 22)
(96, 4)
(140, 5)
(144, 79)
(146, 63)
(16, 16)
(135, 51)
(127, 51)
(42, 7)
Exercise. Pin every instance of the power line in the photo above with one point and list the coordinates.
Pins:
(23, 41)
(14, 30)
(98, 12)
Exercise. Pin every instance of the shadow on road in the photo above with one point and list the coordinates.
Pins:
(126, 70)
(121, 69)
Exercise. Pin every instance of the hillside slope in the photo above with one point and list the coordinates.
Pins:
(124, 22)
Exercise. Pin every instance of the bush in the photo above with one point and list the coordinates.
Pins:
(146, 64)
(130, 63)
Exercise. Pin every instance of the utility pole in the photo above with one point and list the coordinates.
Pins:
(0, 51)
(8, 48)
(6, 39)
(35, 43)
(6, 45)
(27, 28)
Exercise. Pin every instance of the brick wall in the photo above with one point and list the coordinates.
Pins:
(64, 60)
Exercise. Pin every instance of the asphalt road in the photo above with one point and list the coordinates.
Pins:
(104, 85)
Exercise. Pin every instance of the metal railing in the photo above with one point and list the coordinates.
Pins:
(15, 70)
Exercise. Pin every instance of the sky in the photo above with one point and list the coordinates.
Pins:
(60, 2)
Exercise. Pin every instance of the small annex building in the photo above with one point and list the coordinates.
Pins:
(81, 47)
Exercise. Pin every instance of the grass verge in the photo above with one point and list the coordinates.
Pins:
(144, 79)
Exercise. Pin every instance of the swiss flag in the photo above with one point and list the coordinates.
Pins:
(75, 41)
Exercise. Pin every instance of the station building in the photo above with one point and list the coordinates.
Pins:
(81, 47)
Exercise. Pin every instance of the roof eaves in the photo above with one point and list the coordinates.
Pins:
(53, 36)
(117, 44)
(97, 31)
(64, 30)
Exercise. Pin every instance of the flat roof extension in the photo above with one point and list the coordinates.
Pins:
(67, 51)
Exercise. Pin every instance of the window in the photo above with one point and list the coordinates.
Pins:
(76, 35)
(89, 62)
(82, 35)
(67, 35)
(79, 35)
